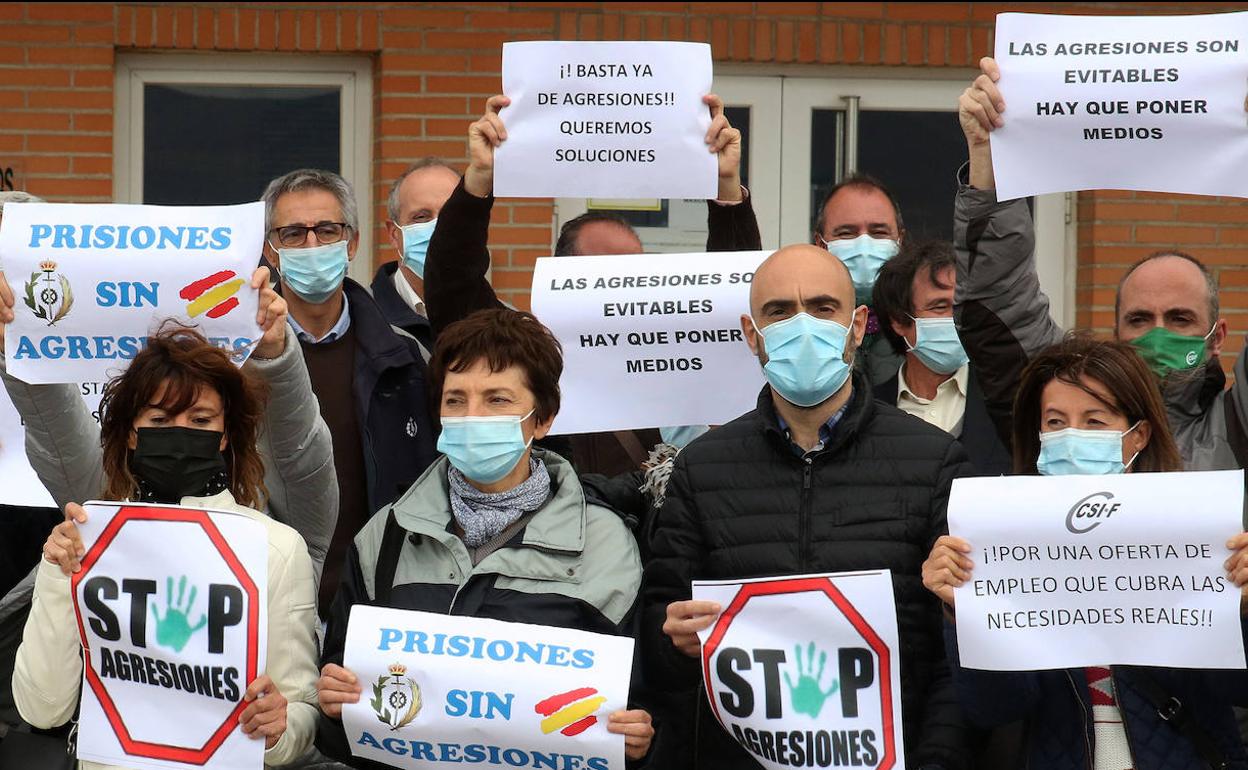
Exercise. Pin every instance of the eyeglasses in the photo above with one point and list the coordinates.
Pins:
(292, 236)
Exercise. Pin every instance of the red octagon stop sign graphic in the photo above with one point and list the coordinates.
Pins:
(823, 587)
(131, 519)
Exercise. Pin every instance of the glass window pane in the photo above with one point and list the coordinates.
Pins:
(222, 144)
(915, 154)
(739, 117)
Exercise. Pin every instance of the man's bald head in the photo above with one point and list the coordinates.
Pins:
(1171, 290)
(802, 279)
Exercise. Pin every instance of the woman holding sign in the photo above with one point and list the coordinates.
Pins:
(494, 529)
(179, 426)
(1092, 407)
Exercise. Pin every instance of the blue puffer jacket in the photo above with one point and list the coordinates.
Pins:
(1057, 708)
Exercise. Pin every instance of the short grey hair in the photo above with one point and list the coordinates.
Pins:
(17, 196)
(392, 203)
(1211, 281)
(312, 179)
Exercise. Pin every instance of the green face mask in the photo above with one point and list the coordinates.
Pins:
(1165, 351)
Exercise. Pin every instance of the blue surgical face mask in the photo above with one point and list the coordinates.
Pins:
(315, 273)
(416, 245)
(864, 256)
(679, 436)
(805, 358)
(1073, 451)
(937, 345)
(485, 449)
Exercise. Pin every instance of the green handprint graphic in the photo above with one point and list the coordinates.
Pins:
(174, 630)
(806, 696)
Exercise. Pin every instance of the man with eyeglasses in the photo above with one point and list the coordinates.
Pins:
(368, 376)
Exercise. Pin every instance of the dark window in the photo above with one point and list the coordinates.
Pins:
(222, 144)
(915, 154)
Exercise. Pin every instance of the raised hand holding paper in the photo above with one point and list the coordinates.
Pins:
(440, 690)
(657, 336)
(1073, 571)
(93, 280)
(172, 607)
(1122, 102)
(606, 120)
(805, 671)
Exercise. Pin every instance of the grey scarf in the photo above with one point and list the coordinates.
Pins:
(483, 515)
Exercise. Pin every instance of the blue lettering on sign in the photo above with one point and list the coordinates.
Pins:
(129, 237)
(482, 754)
(126, 294)
(478, 704)
(479, 648)
(81, 348)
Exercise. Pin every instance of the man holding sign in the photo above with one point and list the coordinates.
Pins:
(819, 478)
(1166, 306)
(459, 257)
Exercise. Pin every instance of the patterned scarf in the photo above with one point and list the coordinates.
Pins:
(483, 515)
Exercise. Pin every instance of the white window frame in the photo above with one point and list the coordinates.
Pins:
(353, 75)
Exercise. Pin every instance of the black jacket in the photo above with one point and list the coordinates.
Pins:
(743, 503)
(396, 310)
(979, 436)
(391, 391)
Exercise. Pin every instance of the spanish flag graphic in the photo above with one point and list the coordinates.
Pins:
(572, 712)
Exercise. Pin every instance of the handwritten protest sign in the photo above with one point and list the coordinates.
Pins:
(839, 705)
(1122, 102)
(21, 486)
(1077, 571)
(656, 336)
(93, 280)
(442, 690)
(172, 608)
(606, 120)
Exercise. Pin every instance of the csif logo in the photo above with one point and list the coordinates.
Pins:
(1096, 508)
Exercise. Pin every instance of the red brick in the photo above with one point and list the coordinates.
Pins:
(410, 149)
(527, 235)
(854, 10)
(266, 30)
(930, 11)
(851, 43)
(872, 43)
(327, 31)
(92, 165)
(1133, 211)
(421, 18)
(67, 55)
(370, 31)
(93, 121)
(12, 11)
(184, 27)
(677, 27)
(785, 44)
(31, 76)
(46, 164)
(15, 120)
(473, 41)
(1230, 213)
(446, 127)
(532, 215)
(93, 78)
(348, 29)
(247, 29)
(960, 46)
(1173, 234)
(525, 20)
(74, 143)
(425, 105)
(709, 8)
(486, 62)
(75, 99)
(914, 44)
(423, 63)
(892, 44)
(74, 188)
(632, 28)
(806, 46)
(719, 39)
(462, 84)
(307, 31)
(589, 27)
(788, 9)
(1234, 235)
(125, 26)
(699, 30)
(205, 28)
(935, 54)
(981, 43)
(95, 33)
(34, 33)
(507, 278)
(69, 11)
(567, 26)
(829, 37)
(287, 32)
(12, 54)
(612, 26)
(654, 27)
(164, 27)
(144, 27)
(527, 257)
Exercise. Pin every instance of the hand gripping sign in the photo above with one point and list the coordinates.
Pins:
(171, 605)
(92, 281)
(820, 692)
(451, 691)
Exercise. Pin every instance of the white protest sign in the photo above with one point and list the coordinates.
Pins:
(21, 486)
(805, 671)
(606, 120)
(442, 690)
(93, 280)
(1122, 102)
(656, 336)
(1073, 571)
(172, 605)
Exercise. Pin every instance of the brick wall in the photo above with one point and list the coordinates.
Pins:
(436, 63)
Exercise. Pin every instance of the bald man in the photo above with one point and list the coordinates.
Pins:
(820, 477)
(1166, 306)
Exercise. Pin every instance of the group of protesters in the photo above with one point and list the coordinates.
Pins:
(395, 443)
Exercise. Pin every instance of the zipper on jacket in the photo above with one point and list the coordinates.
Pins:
(1087, 719)
(1126, 730)
(803, 521)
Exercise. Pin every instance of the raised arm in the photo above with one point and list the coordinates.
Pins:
(458, 259)
(730, 221)
(1003, 316)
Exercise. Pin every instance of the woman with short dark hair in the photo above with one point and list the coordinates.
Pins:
(498, 504)
(1086, 407)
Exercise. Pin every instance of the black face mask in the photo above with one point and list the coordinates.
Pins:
(173, 463)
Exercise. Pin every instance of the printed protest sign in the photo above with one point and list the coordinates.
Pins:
(172, 608)
(93, 280)
(1122, 102)
(444, 690)
(656, 336)
(606, 120)
(1073, 571)
(21, 486)
(805, 671)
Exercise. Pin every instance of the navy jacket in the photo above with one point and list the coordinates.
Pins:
(979, 437)
(1057, 709)
(392, 399)
(395, 309)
